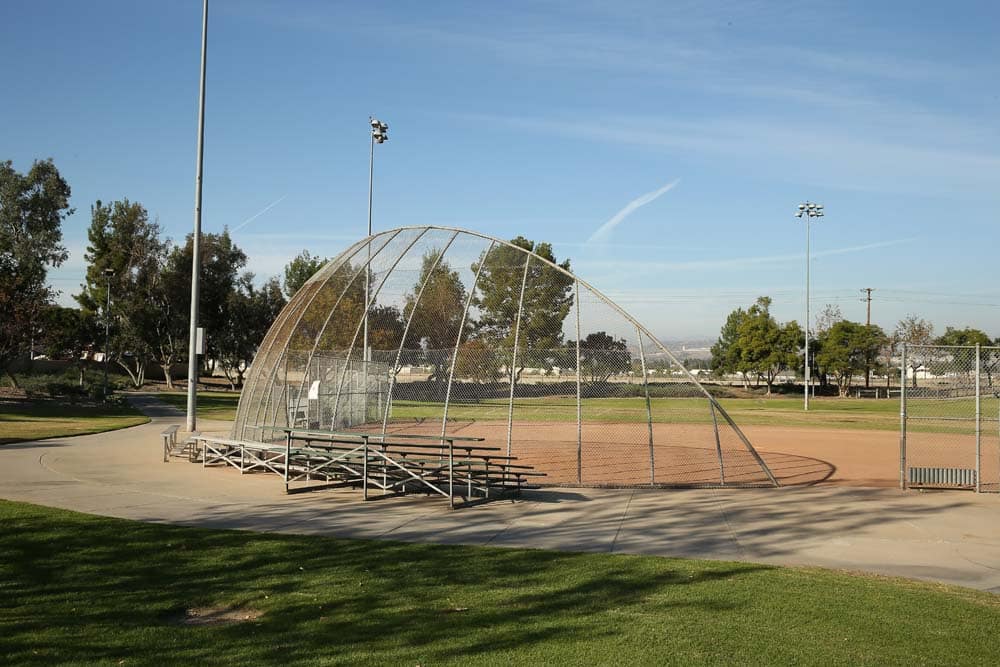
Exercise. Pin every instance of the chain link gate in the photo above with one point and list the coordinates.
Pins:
(950, 417)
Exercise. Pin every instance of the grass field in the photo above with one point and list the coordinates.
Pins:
(34, 419)
(80, 589)
(849, 413)
(211, 404)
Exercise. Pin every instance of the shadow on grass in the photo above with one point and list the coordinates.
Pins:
(92, 589)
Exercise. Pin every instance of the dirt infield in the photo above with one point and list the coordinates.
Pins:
(838, 456)
(687, 454)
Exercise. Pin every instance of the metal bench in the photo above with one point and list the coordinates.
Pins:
(169, 436)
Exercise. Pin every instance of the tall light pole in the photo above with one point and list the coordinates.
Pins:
(192, 422)
(108, 273)
(380, 135)
(808, 210)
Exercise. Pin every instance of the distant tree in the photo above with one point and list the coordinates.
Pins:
(766, 347)
(385, 330)
(602, 356)
(250, 312)
(336, 308)
(438, 315)
(964, 361)
(221, 262)
(123, 239)
(547, 301)
(913, 330)
(967, 336)
(69, 333)
(873, 343)
(827, 317)
(301, 269)
(478, 361)
(442, 303)
(726, 350)
(32, 209)
(848, 349)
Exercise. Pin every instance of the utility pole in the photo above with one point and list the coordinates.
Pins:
(868, 322)
(868, 317)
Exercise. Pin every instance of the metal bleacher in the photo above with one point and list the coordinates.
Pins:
(381, 465)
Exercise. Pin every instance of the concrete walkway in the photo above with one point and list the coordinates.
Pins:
(952, 537)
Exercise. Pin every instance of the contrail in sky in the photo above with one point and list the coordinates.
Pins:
(606, 228)
(257, 215)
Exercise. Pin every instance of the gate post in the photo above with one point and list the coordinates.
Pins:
(902, 419)
(979, 425)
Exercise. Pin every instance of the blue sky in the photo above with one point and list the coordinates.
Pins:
(549, 119)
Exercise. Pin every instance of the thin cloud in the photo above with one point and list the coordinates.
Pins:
(258, 214)
(738, 262)
(952, 161)
(605, 229)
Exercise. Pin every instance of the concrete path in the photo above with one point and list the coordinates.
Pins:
(952, 537)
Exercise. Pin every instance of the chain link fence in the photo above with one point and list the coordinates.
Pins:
(950, 417)
(438, 331)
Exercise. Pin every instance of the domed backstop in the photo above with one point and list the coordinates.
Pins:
(468, 335)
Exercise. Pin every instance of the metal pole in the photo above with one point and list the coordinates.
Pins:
(718, 445)
(364, 470)
(807, 314)
(979, 426)
(579, 406)
(513, 356)
(406, 332)
(107, 333)
(196, 239)
(902, 419)
(451, 473)
(649, 409)
(458, 338)
(365, 351)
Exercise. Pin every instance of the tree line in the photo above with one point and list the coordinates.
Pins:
(144, 277)
(498, 331)
(147, 276)
(754, 345)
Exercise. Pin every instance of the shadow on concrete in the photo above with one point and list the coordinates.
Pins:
(35, 444)
(725, 524)
(795, 470)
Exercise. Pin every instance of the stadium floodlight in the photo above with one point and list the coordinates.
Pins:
(808, 210)
(380, 131)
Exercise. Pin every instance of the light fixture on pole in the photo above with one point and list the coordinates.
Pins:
(808, 211)
(108, 273)
(192, 422)
(380, 135)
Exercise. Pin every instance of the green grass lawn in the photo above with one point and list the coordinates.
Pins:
(79, 589)
(824, 412)
(219, 405)
(34, 419)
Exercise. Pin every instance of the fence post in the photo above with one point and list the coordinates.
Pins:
(364, 469)
(451, 473)
(902, 419)
(979, 425)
